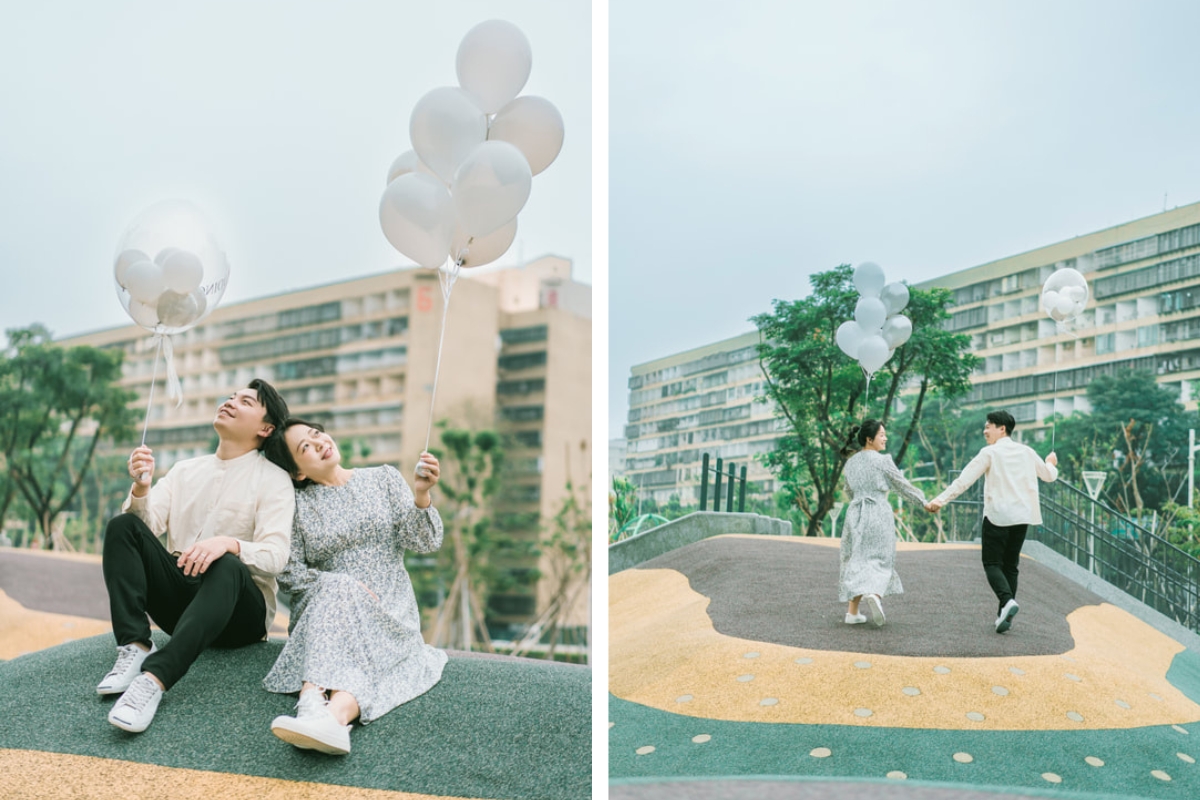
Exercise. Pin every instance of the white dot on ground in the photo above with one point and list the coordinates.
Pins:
(1122, 704)
(768, 701)
(1184, 731)
(863, 664)
(964, 758)
(1158, 773)
(1016, 670)
(1000, 690)
(1186, 757)
(820, 752)
(942, 670)
(751, 655)
(911, 691)
(645, 751)
(702, 738)
(975, 716)
(610, 725)
(683, 698)
(1071, 677)
(863, 712)
(745, 678)
(1068, 658)
(803, 661)
(1156, 697)
(1075, 716)
(897, 775)
(1050, 777)
(1095, 762)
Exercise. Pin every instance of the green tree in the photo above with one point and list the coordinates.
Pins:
(622, 506)
(56, 405)
(821, 393)
(469, 568)
(1136, 430)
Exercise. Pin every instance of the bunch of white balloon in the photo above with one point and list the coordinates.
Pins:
(1065, 295)
(475, 150)
(878, 327)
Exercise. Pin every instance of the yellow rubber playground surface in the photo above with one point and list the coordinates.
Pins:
(729, 659)
(493, 728)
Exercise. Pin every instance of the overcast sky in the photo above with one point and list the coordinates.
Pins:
(278, 119)
(753, 144)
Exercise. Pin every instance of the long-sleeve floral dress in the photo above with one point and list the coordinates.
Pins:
(868, 550)
(354, 620)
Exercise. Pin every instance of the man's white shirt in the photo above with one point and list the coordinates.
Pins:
(1010, 471)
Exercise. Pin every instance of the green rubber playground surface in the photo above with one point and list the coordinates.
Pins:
(731, 669)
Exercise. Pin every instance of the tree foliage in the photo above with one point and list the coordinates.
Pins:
(822, 394)
(56, 405)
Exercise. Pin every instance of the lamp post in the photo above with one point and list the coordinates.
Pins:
(1094, 481)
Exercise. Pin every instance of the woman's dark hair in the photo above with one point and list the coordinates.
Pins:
(862, 433)
(275, 448)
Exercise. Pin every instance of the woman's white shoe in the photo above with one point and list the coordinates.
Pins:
(314, 726)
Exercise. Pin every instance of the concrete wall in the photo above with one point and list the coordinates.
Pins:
(686, 530)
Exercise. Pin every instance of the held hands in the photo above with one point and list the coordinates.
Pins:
(427, 475)
(933, 506)
(199, 557)
(141, 469)
(1052, 459)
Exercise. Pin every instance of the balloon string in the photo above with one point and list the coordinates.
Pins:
(150, 402)
(446, 279)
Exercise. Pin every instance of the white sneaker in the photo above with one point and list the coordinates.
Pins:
(1005, 620)
(128, 667)
(314, 726)
(135, 710)
(855, 619)
(874, 610)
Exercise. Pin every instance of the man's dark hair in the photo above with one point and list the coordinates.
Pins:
(275, 448)
(274, 406)
(1002, 419)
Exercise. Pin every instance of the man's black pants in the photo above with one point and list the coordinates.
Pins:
(221, 607)
(1001, 556)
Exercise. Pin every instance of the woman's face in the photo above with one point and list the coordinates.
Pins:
(880, 440)
(314, 451)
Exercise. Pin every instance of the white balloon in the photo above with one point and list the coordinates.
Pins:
(894, 297)
(1063, 287)
(873, 353)
(849, 337)
(870, 313)
(1049, 300)
(1077, 294)
(417, 216)
(493, 63)
(144, 280)
(896, 330)
(1065, 306)
(178, 310)
(124, 259)
(534, 126)
(475, 252)
(491, 187)
(868, 279)
(182, 272)
(445, 126)
(407, 162)
(144, 315)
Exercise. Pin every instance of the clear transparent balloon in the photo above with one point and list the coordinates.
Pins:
(169, 269)
(1065, 295)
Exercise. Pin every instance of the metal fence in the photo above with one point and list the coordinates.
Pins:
(1103, 541)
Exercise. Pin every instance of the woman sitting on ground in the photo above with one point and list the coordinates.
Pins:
(355, 649)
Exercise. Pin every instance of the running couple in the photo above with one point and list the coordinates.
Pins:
(272, 502)
(1010, 474)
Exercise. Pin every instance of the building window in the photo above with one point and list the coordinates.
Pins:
(528, 386)
(522, 413)
(1106, 343)
(522, 360)
(534, 333)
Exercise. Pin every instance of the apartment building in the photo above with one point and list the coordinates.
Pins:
(359, 356)
(1144, 313)
(703, 400)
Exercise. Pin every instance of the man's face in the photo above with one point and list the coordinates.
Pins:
(242, 416)
(993, 434)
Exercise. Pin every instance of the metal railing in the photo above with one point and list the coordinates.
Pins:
(1103, 541)
(733, 478)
